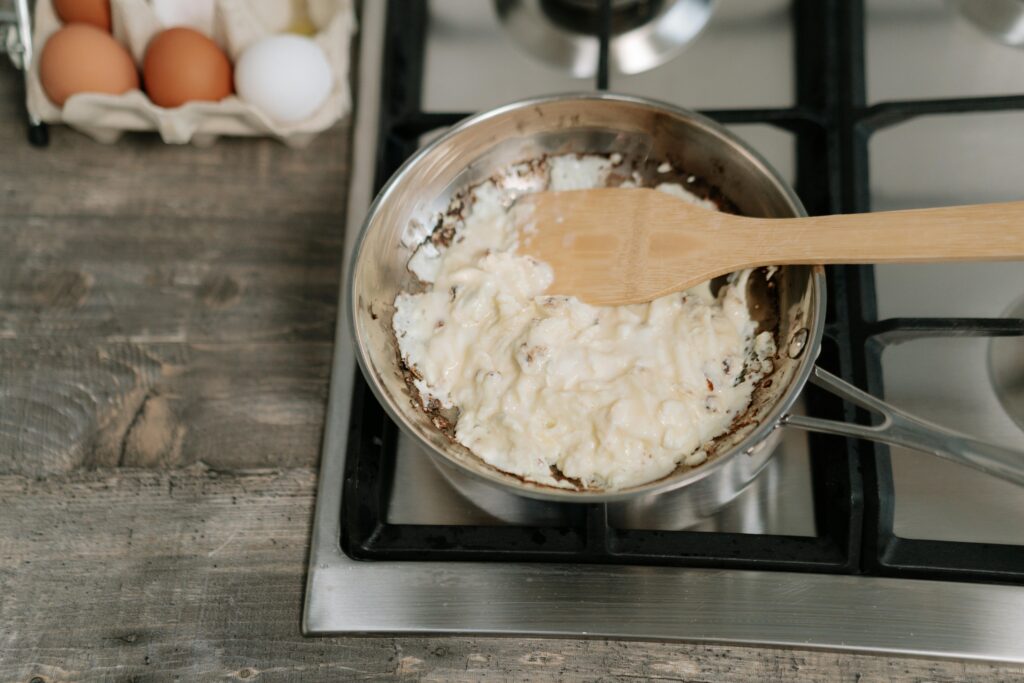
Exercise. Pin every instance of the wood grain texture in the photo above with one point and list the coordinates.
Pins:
(65, 405)
(198, 575)
(163, 305)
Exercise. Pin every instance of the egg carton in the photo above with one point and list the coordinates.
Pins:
(237, 24)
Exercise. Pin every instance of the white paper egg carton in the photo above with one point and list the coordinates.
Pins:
(237, 24)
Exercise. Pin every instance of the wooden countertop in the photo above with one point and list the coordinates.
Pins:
(166, 324)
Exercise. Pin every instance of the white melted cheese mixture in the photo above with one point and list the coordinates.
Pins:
(560, 392)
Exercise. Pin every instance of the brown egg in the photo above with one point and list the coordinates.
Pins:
(82, 58)
(183, 65)
(95, 12)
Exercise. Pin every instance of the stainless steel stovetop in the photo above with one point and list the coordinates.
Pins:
(915, 49)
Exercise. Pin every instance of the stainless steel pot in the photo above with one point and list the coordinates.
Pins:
(1001, 19)
(638, 129)
(644, 34)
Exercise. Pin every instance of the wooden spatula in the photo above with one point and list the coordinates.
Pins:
(630, 245)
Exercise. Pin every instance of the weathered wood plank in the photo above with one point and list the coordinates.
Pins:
(192, 574)
(241, 240)
(235, 179)
(65, 405)
(165, 305)
(158, 278)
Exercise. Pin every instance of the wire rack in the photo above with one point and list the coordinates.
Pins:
(16, 41)
(852, 480)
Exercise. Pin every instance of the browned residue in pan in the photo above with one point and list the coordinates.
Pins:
(765, 309)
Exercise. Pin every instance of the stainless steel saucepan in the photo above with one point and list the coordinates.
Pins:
(639, 130)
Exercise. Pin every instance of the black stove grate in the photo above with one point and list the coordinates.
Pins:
(852, 480)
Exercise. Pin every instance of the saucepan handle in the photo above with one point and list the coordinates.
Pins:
(902, 429)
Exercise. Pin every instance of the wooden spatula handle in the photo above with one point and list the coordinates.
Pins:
(982, 232)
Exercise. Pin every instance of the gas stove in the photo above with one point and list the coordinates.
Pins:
(838, 543)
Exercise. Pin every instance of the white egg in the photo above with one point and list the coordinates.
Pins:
(197, 14)
(288, 77)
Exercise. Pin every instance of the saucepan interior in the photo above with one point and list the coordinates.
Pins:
(790, 303)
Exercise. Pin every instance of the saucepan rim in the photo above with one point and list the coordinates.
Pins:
(814, 320)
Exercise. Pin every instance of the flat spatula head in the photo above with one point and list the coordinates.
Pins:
(615, 246)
